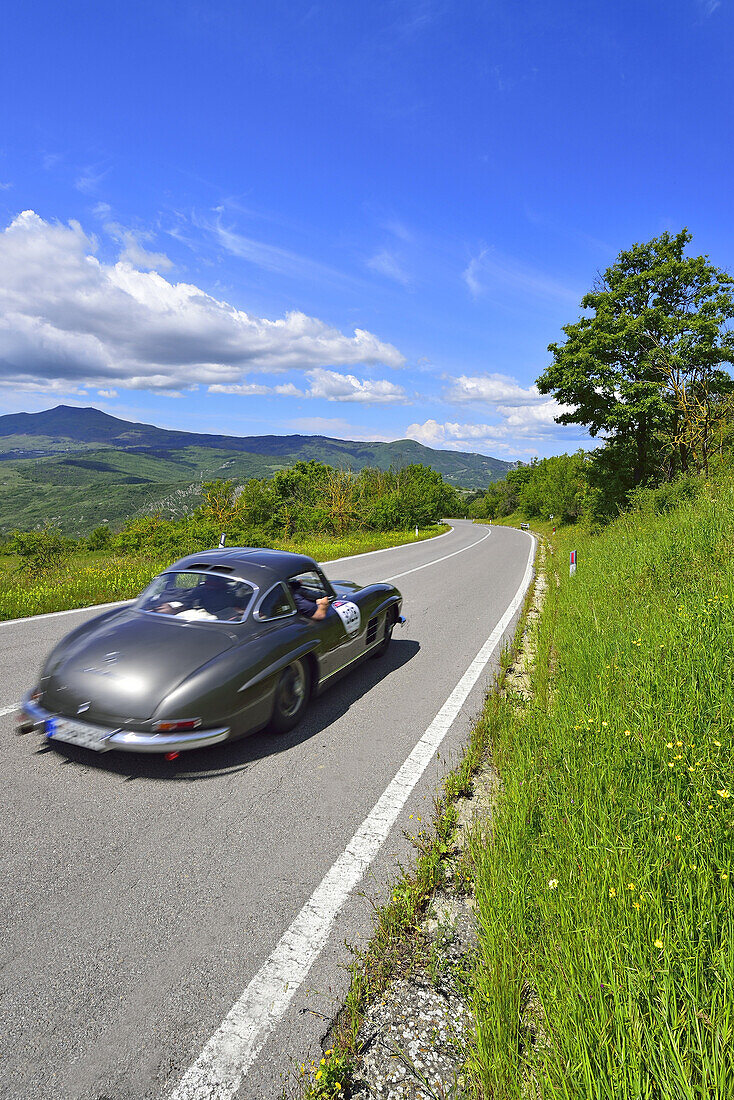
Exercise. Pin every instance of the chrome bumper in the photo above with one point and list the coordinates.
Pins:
(32, 718)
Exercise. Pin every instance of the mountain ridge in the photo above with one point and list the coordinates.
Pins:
(78, 467)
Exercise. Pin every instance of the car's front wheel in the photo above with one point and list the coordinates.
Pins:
(381, 649)
(291, 697)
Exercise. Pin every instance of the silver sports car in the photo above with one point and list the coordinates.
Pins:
(222, 644)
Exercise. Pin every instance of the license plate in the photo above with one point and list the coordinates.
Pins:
(77, 733)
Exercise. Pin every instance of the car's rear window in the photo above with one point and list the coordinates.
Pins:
(191, 596)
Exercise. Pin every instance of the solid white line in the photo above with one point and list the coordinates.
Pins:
(220, 1068)
(8, 710)
(119, 603)
(55, 614)
(435, 561)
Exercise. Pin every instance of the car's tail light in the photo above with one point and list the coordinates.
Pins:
(177, 725)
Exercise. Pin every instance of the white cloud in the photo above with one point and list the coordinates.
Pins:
(68, 319)
(328, 385)
(332, 386)
(520, 430)
(254, 389)
(5, 186)
(133, 251)
(107, 393)
(270, 257)
(492, 388)
(89, 179)
(499, 276)
(388, 264)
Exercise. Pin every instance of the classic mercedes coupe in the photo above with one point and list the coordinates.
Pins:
(221, 644)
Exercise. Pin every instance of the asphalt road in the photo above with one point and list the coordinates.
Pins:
(140, 897)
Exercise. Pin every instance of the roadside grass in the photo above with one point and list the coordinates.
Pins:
(604, 893)
(86, 578)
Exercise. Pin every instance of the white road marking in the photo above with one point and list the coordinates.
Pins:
(56, 614)
(8, 710)
(223, 1063)
(119, 603)
(435, 561)
(386, 549)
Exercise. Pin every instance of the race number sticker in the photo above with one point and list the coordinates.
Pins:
(349, 614)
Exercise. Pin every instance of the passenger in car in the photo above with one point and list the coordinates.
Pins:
(305, 605)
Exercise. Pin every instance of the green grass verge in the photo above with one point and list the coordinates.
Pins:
(604, 895)
(87, 578)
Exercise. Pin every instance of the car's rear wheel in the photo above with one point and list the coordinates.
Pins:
(381, 649)
(291, 697)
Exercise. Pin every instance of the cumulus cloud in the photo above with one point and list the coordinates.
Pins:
(333, 386)
(328, 385)
(133, 251)
(492, 388)
(67, 319)
(519, 430)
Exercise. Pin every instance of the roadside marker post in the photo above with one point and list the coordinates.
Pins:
(572, 564)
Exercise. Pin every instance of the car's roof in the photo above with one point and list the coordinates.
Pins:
(250, 563)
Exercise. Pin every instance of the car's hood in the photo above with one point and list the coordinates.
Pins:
(124, 667)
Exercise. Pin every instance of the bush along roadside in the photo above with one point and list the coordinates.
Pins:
(406, 1025)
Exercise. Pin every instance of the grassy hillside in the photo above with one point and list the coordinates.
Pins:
(606, 963)
(81, 467)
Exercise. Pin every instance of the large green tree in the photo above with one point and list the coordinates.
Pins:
(644, 367)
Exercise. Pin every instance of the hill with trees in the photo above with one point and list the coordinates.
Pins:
(79, 468)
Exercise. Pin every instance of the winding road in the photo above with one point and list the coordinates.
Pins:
(178, 930)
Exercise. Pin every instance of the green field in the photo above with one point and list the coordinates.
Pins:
(604, 894)
(86, 578)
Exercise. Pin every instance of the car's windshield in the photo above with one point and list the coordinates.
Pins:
(200, 597)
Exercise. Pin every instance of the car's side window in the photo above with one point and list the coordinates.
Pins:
(313, 584)
(275, 604)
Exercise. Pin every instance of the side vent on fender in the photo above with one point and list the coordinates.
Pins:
(371, 630)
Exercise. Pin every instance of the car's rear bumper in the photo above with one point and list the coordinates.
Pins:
(33, 718)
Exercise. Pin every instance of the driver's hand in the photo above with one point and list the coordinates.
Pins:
(323, 603)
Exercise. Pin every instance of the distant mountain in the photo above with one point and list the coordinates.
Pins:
(79, 467)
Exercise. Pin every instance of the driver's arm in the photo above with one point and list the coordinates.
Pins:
(322, 606)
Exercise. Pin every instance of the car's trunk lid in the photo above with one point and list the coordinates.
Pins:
(123, 669)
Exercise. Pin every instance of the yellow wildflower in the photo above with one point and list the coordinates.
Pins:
(723, 794)
(612, 892)
(658, 943)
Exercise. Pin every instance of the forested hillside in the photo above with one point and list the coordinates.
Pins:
(78, 468)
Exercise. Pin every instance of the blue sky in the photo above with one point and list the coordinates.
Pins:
(365, 221)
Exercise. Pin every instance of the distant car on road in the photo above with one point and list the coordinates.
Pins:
(524, 526)
(215, 648)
